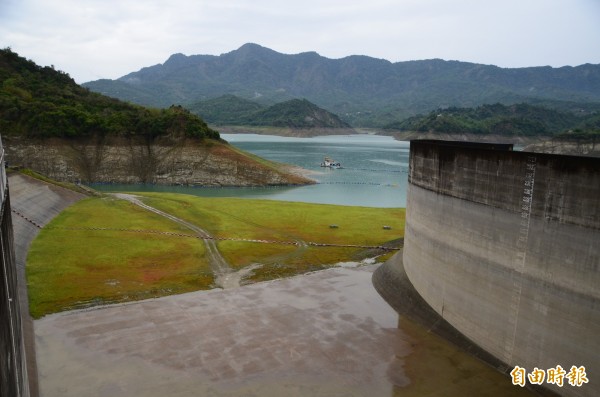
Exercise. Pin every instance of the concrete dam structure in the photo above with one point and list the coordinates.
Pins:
(504, 246)
(13, 368)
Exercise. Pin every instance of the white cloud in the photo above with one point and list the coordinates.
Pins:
(91, 39)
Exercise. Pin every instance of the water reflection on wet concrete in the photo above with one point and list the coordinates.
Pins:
(323, 334)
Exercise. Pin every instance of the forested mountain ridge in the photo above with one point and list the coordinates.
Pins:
(225, 110)
(363, 91)
(295, 113)
(513, 120)
(55, 127)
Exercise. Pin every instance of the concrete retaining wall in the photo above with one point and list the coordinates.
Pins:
(505, 246)
(13, 368)
(33, 203)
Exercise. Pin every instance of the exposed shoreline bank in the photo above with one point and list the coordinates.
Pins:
(284, 131)
(184, 162)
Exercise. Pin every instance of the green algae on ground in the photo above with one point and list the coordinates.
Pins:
(76, 268)
(284, 222)
(81, 259)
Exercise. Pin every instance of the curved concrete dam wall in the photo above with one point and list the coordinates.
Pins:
(505, 246)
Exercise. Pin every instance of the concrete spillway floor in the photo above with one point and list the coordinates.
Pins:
(323, 334)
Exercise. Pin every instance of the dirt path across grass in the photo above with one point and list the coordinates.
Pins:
(225, 276)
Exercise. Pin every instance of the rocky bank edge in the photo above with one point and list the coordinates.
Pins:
(139, 160)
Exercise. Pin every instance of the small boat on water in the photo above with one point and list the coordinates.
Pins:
(328, 162)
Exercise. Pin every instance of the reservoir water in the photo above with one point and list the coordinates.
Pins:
(374, 172)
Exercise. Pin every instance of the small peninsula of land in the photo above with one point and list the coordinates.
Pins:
(574, 131)
(296, 117)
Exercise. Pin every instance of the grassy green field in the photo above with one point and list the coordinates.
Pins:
(69, 268)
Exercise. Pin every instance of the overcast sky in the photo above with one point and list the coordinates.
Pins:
(93, 39)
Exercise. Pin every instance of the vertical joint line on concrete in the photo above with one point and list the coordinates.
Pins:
(521, 254)
(526, 204)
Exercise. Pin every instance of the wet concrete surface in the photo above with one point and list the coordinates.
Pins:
(327, 333)
(324, 334)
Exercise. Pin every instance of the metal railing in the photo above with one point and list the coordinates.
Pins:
(13, 371)
(3, 181)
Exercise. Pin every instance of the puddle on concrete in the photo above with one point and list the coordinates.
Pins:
(364, 262)
(233, 279)
(438, 368)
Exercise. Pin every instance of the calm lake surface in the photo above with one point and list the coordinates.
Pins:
(374, 173)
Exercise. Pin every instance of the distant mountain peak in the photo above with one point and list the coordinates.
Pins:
(364, 91)
(252, 48)
(176, 57)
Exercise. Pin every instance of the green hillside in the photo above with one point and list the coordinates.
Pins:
(514, 120)
(295, 113)
(225, 110)
(40, 102)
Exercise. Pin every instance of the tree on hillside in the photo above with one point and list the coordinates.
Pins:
(41, 102)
